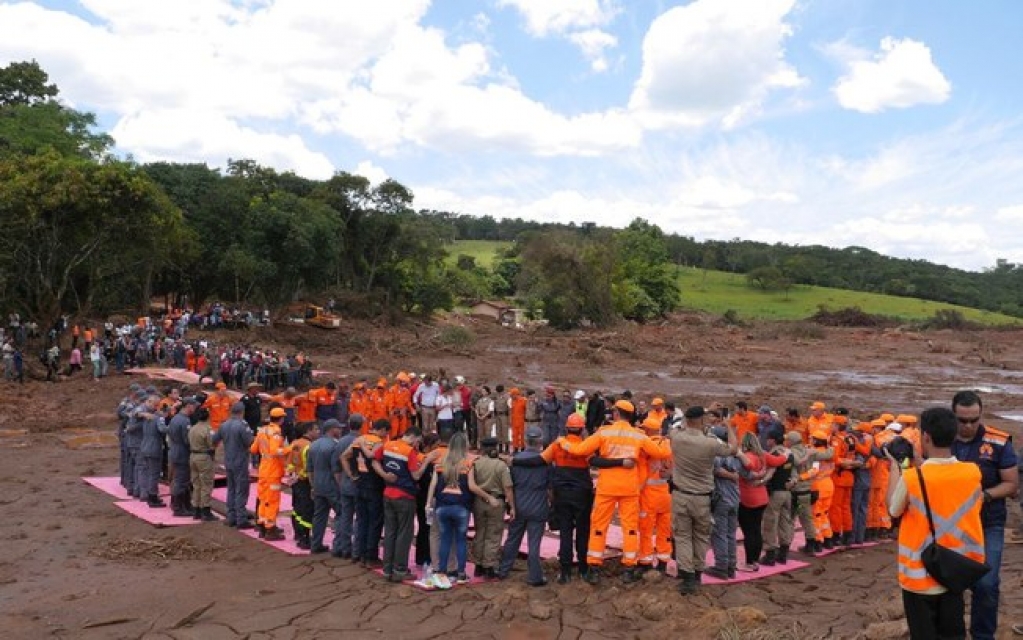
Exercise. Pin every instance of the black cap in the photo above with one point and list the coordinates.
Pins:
(693, 413)
(488, 443)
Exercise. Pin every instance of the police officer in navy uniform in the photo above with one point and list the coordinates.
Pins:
(991, 450)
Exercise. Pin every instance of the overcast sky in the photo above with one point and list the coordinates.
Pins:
(892, 125)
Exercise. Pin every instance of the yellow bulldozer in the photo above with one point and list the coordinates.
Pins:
(313, 316)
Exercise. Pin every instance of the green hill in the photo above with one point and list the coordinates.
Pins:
(718, 291)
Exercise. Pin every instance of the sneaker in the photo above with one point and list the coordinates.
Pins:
(748, 567)
(714, 572)
(462, 578)
(441, 581)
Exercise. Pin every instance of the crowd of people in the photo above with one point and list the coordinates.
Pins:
(416, 459)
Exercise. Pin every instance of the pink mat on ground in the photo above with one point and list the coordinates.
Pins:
(159, 517)
(112, 486)
(220, 493)
(287, 545)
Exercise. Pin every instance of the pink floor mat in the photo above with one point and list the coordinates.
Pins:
(220, 493)
(159, 517)
(287, 545)
(112, 486)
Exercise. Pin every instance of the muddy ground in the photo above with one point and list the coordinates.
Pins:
(72, 564)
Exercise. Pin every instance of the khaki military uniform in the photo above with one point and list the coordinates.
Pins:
(493, 476)
(693, 477)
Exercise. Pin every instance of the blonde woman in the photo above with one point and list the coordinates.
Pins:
(753, 497)
(450, 497)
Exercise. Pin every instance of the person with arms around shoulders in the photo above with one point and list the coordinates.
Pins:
(953, 494)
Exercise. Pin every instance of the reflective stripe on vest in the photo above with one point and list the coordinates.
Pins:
(955, 494)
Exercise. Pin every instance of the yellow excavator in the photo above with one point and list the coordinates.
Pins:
(315, 316)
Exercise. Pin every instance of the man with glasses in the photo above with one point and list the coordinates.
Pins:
(991, 450)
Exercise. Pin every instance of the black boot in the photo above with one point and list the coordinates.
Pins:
(829, 543)
(688, 585)
(715, 572)
(262, 530)
(783, 555)
(565, 576)
(196, 513)
(768, 559)
(630, 575)
(207, 515)
(846, 539)
(181, 509)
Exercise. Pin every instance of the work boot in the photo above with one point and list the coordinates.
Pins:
(642, 569)
(731, 573)
(630, 575)
(262, 530)
(181, 509)
(768, 559)
(699, 577)
(846, 539)
(207, 515)
(274, 534)
(155, 502)
(808, 548)
(592, 576)
(196, 513)
(818, 547)
(783, 555)
(829, 543)
(688, 585)
(714, 572)
(565, 576)
(662, 568)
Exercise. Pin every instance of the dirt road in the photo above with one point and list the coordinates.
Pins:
(73, 565)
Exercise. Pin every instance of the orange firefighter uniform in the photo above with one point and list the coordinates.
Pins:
(376, 402)
(823, 484)
(840, 513)
(219, 406)
(877, 516)
(616, 486)
(517, 418)
(655, 499)
(399, 405)
(305, 407)
(274, 454)
(357, 404)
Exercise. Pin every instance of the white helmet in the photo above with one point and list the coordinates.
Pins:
(459, 380)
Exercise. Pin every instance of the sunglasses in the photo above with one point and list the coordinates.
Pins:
(968, 420)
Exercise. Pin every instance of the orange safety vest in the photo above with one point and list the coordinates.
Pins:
(654, 473)
(618, 441)
(305, 408)
(955, 495)
(376, 405)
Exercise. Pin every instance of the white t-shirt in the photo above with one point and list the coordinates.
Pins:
(444, 404)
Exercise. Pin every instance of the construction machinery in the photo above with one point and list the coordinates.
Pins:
(314, 316)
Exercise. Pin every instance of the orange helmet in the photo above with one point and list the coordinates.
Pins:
(652, 424)
(575, 421)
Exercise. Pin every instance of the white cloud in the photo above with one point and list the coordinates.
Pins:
(546, 17)
(902, 74)
(593, 43)
(713, 61)
(1012, 213)
(371, 172)
(187, 135)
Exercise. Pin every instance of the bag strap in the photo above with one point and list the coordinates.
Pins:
(927, 503)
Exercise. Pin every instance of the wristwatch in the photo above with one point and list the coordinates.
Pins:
(987, 496)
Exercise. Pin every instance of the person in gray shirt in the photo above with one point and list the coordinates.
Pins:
(151, 451)
(178, 458)
(321, 463)
(344, 524)
(725, 509)
(237, 438)
(132, 441)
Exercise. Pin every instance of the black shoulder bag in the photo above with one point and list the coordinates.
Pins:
(951, 569)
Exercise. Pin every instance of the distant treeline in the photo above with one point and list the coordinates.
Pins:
(999, 288)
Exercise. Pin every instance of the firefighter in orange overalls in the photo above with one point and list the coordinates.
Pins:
(357, 404)
(823, 486)
(879, 521)
(273, 457)
(399, 405)
(376, 402)
(844, 477)
(616, 487)
(517, 418)
(655, 500)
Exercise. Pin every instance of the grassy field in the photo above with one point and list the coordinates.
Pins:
(485, 251)
(718, 291)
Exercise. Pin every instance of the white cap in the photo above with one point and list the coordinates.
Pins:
(459, 380)
(580, 394)
(894, 426)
